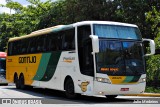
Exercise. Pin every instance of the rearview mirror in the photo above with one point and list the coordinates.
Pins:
(152, 46)
(95, 43)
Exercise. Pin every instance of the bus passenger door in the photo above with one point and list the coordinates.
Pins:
(85, 60)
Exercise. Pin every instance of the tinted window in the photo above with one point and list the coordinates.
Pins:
(54, 41)
(120, 58)
(16, 47)
(24, 46)
(85, 50)
(32, 45)
(110, 59)
(10, 46)
(40, 44)
(69, 39)
(63, 40)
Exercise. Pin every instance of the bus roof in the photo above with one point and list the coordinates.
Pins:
(3, 55)
(43, 31)
(64, 27)
(104, 22)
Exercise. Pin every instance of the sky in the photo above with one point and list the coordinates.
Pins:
(7, 10)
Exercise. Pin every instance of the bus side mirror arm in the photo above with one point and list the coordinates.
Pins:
(152, 46)
(95, 43)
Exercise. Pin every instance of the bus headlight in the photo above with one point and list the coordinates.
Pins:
(99, 79)
(142, 80)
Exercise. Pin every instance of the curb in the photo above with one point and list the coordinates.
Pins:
(145, 94)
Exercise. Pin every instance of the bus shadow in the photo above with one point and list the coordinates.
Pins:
(59, 97)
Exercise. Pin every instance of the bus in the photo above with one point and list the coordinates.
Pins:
(88, 58)
(3, 80)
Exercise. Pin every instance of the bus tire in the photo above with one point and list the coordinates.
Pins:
(69, 89)
(111, 97)
(16, 81)
(21, 82)
(15, 78)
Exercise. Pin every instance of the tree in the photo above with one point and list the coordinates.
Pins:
(24, 21)
(153, 62)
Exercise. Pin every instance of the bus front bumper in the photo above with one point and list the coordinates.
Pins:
(118, 89)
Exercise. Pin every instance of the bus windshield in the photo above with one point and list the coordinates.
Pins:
(116, 31)
(120, 58)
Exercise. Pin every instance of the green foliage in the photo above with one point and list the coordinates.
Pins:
(24, 21)
(153, 17)
(152, 90)
(153, 62)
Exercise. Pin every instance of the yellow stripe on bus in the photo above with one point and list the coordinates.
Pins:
(26, 64)
(117, 79)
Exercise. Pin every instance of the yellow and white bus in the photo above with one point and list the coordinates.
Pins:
(89, 57)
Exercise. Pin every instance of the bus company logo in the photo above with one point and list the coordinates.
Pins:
(116, 77)
(68, 59)
(83, 86)
(27, 59)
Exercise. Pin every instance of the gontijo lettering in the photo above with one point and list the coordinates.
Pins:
(27, 59)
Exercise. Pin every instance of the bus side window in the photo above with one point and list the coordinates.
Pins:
(47, 42)
(56, 41)
(59, 41)
(10, 48)
(32, 45)
(24, 45)
(44, 47)
(40, 43)
(69, 40)
(52, 39)
(16, 47)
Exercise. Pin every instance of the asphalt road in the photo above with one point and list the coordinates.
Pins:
(58, 97)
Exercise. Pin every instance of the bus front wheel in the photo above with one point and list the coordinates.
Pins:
(69, 89)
